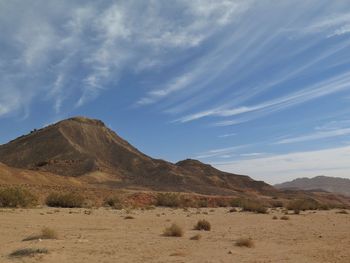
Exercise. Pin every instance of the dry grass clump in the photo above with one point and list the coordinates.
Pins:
(203, 225)
(17, 197)
(274, 217)
(46, 233)
(129, 217)
(196, 237)
(173, 231)
(284, 217)
(65, 200)
(244, 242)
(28, 252)
(114, 202)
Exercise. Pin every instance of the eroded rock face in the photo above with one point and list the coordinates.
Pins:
(79, 146)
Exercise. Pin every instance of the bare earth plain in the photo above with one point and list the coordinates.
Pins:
(104, 235)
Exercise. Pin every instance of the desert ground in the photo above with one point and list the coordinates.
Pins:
(106, 235)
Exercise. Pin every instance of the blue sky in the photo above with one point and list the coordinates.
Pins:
(253, 87)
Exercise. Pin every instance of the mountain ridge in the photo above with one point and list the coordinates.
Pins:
(79, 146)
(330, 184)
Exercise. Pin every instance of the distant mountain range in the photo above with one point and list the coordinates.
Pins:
(325, 183)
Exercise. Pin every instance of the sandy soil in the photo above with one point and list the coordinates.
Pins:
(106, 236)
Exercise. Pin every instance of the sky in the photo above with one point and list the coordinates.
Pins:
(260, 88)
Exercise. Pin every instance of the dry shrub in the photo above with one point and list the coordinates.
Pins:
(244, 242)
(304, 204)
(202, 203)
(284, 217)
(203, 225)
(173, 231)
(114, 202)
(46, 233)
(254, 206)
(65, 200)
(28, 252)
(220, 202)
(17, 197)
(232, 210)
(249, 205)
(168, 200)
(196, 237)
(274, 217)
(129, 217)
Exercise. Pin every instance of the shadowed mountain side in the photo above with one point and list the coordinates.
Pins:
(86, 148)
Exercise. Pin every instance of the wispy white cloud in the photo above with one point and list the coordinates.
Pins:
(316, 136)
(333, 85)
(284, 167)
(227, 135)
(227, 151)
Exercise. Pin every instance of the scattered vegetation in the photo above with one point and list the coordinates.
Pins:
(196, 237)
(114, 202)
(28, 252)
(284, 217)
(17, 197)
(46, 233)
(244, 242)
(65, 200)
(173, 231)
(203, 225)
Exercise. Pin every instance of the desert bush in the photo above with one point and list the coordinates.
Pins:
(222, 202)
(114, 202)
(303, 204)
(65, 200)
(277, 204)
(236, 202)
(253, 206)
(129, 217)
(284, 217)
(17, 197)
(28, 252)
(274, 217)
(244, 242)
(168, 200)
(173, 231)
(46, 233)
(202, 203)
(203, 225)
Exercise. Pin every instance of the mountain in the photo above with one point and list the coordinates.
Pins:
(87, 150)
(329, 184)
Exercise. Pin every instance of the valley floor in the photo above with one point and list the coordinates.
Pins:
(104, 235)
